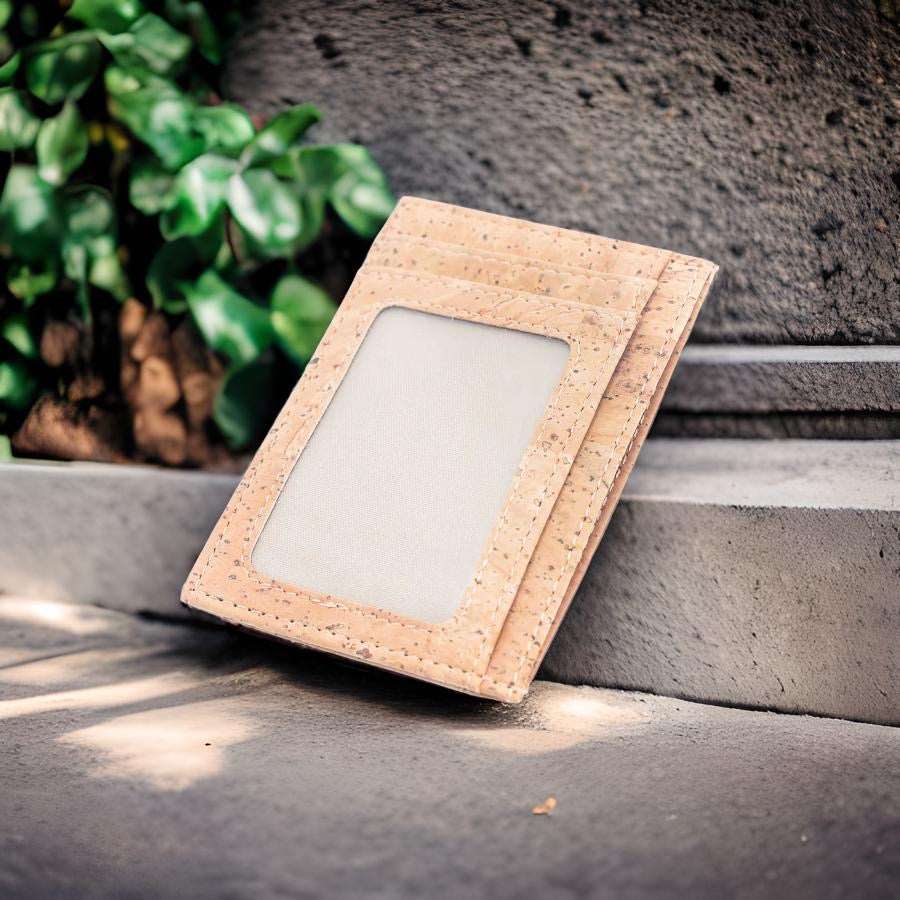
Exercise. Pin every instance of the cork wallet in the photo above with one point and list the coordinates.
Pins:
(432, 492)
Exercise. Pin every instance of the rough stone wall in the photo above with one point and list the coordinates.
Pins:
(761, 135)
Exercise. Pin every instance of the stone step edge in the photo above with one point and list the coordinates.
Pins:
(747, 379)
(754, 573)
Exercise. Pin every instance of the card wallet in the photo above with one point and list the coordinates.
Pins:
(432, 492)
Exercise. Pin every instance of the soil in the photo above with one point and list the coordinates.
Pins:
(138, 385)
(154, 406)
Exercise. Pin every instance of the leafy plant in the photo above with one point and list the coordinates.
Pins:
(127, 176)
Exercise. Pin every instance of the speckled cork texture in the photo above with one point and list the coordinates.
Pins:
(624, 310)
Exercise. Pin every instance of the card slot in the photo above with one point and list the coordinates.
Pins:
(595, 482)
(481, 267)
(573, 310)
(464, 645)
(394, 233)
(425, 218)
(624, 309)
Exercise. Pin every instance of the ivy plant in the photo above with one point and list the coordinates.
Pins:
(127, 176)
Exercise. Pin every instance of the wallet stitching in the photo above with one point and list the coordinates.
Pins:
(508, 689)
(557, 233)
(513, 260)
(282, 589)
(511, 255)
(528, 657)
(590, 513)
(508, 589)
(354, 640)
(386, 273)
(432, 628)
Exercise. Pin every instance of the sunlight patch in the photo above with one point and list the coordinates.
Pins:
(168, 749)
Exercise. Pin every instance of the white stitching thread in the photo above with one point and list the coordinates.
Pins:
(508, 688)
(529, 656)
(591, 242)
(246, 483)
(586, 275)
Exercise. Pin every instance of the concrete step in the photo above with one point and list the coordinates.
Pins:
(767, 378)
(145, 760)
(784, 391)
(754, 573)
(758, 573)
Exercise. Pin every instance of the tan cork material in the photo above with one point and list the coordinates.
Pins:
(625, 311)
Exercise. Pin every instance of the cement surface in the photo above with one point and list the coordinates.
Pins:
(814, 474)
(724, 378)
(123, 537)
(746, 572)
(150, 760)
(741, 572)
(763, 136)
(841, 426)
(792, 608)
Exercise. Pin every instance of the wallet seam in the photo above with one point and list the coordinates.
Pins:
(625, 315)
(196, 589)
(623, 320)
(588, 241)
(460, 674)
(464, 250)
(592, 512)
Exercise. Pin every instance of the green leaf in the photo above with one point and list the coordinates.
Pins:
(28, 282)
(229, 322)
(202, 29)
(347, 176)
(6, 454)
(14, 329)
(119, 81)
(311, 167)
(106, 270)
(30, 219)
(300, 313)
(225, 128)
(75, 265)
(276, 138)
(241, 408)
(89, 213)
(313, 171)
(18, 125)
(176, 266)
(9, 68)
(6, 9)
(312, 215)
(63, 68)
(150, 187)
(266, 210)
(17, 385)
(62, 145)
(113, 16)
(151, 43)
(89, 247)
(193, 18)
(159, 115)
(198, 196)
(361, 196)
(362, 205)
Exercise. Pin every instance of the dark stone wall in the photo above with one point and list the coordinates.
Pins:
(763, 136)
